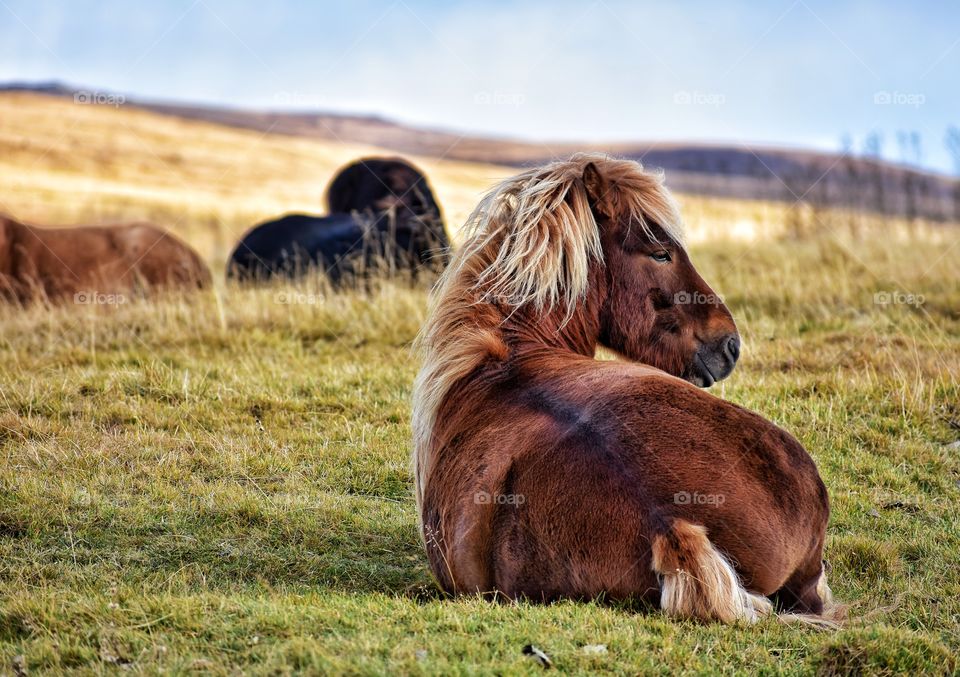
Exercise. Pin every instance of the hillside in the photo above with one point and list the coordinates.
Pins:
(741, 172)
(65, 163)
(789, 175)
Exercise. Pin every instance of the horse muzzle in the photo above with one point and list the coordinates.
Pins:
(713, 361)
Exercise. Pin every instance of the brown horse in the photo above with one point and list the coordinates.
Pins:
(542, 473)
(84, 262)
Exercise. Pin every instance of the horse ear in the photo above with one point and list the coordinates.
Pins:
(599, 191)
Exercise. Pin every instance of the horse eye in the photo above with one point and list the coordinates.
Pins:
(661, 256)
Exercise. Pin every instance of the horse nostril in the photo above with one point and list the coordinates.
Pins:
(732, 348)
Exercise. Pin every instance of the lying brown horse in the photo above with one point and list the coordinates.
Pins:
(82, 262)
(542, 473)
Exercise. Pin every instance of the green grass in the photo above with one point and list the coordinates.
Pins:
(219, 483)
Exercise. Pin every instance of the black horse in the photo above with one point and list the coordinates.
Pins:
(384, 219)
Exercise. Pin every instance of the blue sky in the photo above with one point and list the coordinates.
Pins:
(783, 72)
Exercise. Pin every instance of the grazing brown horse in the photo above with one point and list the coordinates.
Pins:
(82, 262)
(542, 473)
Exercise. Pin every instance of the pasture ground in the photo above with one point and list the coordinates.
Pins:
(218, 483)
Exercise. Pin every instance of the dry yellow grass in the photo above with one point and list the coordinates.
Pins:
(63, 162)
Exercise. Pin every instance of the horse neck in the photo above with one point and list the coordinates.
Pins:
(465, 335)
(536, 332)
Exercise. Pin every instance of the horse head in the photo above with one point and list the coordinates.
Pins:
(657, 308)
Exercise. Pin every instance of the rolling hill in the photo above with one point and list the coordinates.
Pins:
(63, 162)
(789, 175)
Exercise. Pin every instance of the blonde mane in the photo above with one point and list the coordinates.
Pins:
(530, 242)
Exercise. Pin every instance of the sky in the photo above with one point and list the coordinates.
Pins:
(797, 73)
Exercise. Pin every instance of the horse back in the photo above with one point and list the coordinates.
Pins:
(59, 262)
(158, 257)
(293, 243)
(582, 473)
(340, 245)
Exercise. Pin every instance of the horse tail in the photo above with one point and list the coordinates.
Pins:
(697, 581)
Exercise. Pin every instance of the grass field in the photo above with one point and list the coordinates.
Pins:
(218, 482)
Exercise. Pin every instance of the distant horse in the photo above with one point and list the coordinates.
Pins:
(542, 473)
(383, 218)
(378, 184)
(83, 262)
